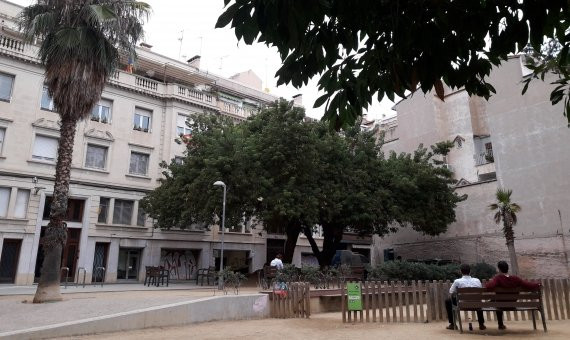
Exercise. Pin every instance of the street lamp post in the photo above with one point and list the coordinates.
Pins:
(221, 278)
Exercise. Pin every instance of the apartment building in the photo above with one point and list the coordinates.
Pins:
(512, 141)
(115, 163)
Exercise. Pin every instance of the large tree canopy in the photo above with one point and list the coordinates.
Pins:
(363, 49)
(293, 175)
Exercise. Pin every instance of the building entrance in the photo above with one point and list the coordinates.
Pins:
(129, 264)
(9, 260)
(69, 255)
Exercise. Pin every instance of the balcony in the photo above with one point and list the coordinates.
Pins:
(235, 110)
(485, 164)
(16, 48)
(159, 89)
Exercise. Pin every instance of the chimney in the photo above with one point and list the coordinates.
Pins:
(298, 99)
(194, 62)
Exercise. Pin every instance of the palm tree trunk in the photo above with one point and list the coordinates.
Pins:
(510, 238)
(56, 232)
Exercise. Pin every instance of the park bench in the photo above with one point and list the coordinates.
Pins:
(206, 273)
(356, 274)
(499, 299)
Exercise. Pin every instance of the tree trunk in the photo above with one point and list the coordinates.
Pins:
(510, 238)
(293, 231)
(332, 236)
(56, 231)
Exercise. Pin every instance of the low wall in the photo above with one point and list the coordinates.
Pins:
(229, 307)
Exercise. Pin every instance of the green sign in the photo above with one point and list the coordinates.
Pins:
(354, 296)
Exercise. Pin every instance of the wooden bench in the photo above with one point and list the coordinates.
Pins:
(499, 299)
(356, 274)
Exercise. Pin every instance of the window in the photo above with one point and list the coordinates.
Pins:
(47, 100)
(74, 209)
(104, 203)
(139, 164)
(142, 120)
(181, 127)
(178, 160)
(6, 83)
(102, 112)
(122, 212)
(2, 135)
(141, 217)
(45, 148)
(96, 157)
(4, 200)
(22, 198)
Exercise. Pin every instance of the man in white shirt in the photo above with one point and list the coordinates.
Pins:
(277, 262)
(466, 281)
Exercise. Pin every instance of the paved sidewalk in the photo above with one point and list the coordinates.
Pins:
(17, 312)
(113, 287)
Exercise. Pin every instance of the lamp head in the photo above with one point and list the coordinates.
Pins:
(219, 184)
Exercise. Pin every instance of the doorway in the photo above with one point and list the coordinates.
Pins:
(129, 264)
(9, 260)
(69, 254)
(100, 261)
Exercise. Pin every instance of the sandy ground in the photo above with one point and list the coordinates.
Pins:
(329, 326)
(16, 312)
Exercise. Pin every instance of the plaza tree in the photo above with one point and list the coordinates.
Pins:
(506, 211)
(79, 45)
(291, 175)
(366, 49)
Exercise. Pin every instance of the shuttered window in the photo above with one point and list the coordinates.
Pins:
(45, 148)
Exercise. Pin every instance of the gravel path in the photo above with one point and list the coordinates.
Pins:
(330, 326)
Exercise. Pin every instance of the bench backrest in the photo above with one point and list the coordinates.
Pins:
(499, 298)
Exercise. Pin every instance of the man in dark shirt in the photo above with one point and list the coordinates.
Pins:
(504, 280)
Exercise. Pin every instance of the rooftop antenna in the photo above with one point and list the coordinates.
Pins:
(222, 61)
(181, 39)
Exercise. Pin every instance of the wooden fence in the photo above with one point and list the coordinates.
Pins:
(423, 301)
(294, 302)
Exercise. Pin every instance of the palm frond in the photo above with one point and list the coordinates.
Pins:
(498, 216)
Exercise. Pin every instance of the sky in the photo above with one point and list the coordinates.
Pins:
(220, 51)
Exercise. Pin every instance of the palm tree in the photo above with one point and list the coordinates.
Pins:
(506, 211)
(80, 43)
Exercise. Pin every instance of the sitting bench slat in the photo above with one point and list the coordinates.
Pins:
(498, 297)
(499, 304)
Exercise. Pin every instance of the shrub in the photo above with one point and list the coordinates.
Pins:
(483, 271)
(401, 270)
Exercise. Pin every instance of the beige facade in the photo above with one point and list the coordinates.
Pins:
(512, 141)
(115, 163)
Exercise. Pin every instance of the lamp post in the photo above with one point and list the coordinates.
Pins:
(221, 278)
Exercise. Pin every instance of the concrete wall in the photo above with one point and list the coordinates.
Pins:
(530, 145)
(229, 307)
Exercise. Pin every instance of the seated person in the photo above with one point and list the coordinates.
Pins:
(504, 280)
(466, 281)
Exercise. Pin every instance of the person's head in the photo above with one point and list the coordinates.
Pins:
(278, 256)
(465, 269)
(503, 267)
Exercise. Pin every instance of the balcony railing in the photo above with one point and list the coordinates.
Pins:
(236, 110)
(484, 157)
(18, 48)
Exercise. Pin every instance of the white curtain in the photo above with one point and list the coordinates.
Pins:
(96, 157)
(139, 163)
(122, 212)
(2, 135)
(4, 201)
(6, 82)
(22, 199)
(45, 148)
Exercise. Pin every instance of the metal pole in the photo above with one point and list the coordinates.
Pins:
(221, 279)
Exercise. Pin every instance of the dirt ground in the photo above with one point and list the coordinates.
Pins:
(329, 326)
